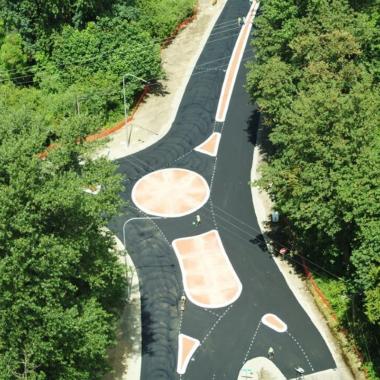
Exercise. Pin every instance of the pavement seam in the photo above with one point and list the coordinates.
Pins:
(251, 343)
(141, 162)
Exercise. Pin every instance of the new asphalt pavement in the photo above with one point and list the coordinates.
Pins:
(231, 335)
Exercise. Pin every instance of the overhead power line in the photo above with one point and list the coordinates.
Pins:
(36, 67)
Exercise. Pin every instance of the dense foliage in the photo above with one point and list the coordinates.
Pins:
(61, 70)
(316, 76)
(60, 281)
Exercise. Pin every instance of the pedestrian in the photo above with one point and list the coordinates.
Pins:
(271, 353)
(197, 220)
(244, 20)
(239, 21)
(183, 302)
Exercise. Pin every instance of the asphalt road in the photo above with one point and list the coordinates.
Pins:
(232, 334)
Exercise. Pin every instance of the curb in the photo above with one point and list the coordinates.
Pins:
(263, 206)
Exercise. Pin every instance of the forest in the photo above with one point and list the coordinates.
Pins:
(316, 79)
(62, 63)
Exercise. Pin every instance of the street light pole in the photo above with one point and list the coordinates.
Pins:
(129, 133)
(125, 251)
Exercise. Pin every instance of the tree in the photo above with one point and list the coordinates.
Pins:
(60, 282)
(161, 17)
(13, 60)
(35, 19)
(315, 76)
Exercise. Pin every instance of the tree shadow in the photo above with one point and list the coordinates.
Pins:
(257, 127)
(158, 89)
(253, 124)
(128, 340)
(260, 242)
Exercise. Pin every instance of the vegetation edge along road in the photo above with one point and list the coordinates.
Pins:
(315, 77)
(61, 69)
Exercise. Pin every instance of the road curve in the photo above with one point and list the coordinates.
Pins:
(256, 320)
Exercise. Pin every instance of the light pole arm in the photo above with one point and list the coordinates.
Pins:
(125, 100)
(134, 76)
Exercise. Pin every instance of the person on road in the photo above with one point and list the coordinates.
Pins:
(197, 221)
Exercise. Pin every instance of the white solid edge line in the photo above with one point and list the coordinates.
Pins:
(181, 369)
(246, 28)
(264, 321)
(185, 285)
(215, 151)
(149, 212)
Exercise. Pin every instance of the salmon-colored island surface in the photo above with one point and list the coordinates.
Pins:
(274, 322)
(170, 193)
(211, 145)
(208, 276)
(186, 348)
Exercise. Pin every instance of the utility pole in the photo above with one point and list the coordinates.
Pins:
(126, 108)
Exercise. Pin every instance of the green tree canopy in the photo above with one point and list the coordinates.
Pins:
(60, 281)
(315, 77)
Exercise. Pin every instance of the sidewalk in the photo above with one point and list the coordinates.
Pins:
(151, 122)
(157, 112)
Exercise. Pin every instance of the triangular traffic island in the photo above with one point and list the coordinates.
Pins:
(210, 146)
(274, 323)
(186, 348)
